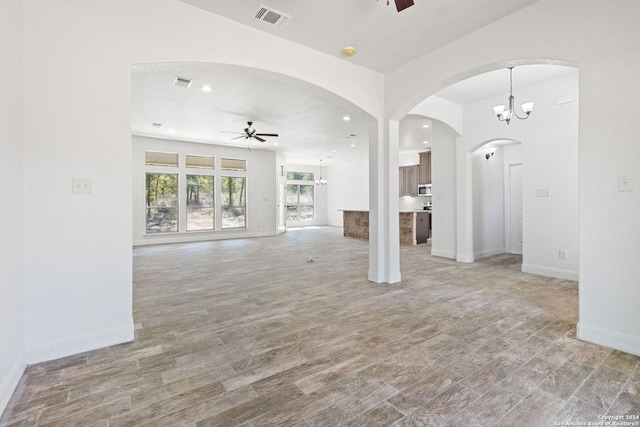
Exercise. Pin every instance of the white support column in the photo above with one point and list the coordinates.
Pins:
(464, 231)
(384, 225)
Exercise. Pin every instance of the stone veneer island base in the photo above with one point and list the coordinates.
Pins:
(356, 224)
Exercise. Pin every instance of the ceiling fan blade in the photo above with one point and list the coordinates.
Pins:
(259, 139)
(275, 135)
(403, 4)
(238, 137)
(226, 131)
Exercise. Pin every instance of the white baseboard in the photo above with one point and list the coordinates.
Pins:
(62, 348)
(443, 253)
(161, 239)
(488, 252)
(550, 272)
(373, 277)
(10, 381)
(608, 338)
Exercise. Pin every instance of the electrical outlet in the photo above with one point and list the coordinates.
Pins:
(563, 254)
(542, 192)
(625, 183)
(81, 186)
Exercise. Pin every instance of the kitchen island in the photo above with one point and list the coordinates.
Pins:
(414, 225)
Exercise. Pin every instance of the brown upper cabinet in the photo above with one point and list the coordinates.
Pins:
(409, 180)
(425, 168)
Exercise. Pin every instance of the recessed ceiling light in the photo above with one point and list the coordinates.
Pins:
(346, 118)
(276, 144)
(172, 131)
(353, 145)
(425, 142)
(335, 151)
(206, 88)
(349, 51)
(425, 126)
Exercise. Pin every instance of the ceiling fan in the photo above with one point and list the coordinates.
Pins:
(250, 133)
(402, 4)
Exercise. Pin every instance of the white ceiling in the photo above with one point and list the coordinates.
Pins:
(309, 125)
(383, 37)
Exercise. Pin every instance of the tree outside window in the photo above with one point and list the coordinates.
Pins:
(233, 202)
(200, 206)
(161, 202)
(300, 202)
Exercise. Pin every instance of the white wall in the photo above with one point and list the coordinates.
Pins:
(78, 58)
(348, 189)
(488, 203)
(320, 193)
(12, 353)
(601, 40)
(443, 189)
(261, 189)
(550, 161)
(408, 159)
(441, 109)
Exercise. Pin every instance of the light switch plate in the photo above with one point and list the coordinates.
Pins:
(625, 183)
(542, 192)
(81, 186)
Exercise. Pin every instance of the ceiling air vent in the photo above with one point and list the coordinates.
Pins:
(271, 16)
(182, 82)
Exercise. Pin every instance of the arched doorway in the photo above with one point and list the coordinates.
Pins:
(554, 119)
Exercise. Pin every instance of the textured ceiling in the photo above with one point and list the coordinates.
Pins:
(383, 37)
(310, 125)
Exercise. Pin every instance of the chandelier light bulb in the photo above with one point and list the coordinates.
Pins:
(504, 113)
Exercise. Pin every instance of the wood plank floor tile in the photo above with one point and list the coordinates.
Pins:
(423, 391)
(227, 334)
(602, 387)
(487, 410)
(537, 409)
(566, 379)
(577, 411)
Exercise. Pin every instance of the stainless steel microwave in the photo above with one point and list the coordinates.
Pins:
(424, 190)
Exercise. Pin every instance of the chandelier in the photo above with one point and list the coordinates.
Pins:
(321, 181)
(505, 114)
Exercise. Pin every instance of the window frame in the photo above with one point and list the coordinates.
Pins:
(212, 207)
(298, 183)
(148, 207)
(222, 204)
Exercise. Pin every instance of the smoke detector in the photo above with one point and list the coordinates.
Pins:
(271, 16)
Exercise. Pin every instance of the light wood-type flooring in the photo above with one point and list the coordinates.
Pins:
(287, 331)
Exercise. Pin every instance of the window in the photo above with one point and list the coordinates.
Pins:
(200, 206)
(161, 202)
(300, 202)
(153, 158)
(199, 162)
(233, 164)
(300, 176)
(234, 197)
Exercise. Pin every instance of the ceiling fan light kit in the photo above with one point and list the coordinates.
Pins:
(250, 133)
(506, 113)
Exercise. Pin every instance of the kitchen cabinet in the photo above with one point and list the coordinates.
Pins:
(425, 168)
(408, 180)
(423, 224)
